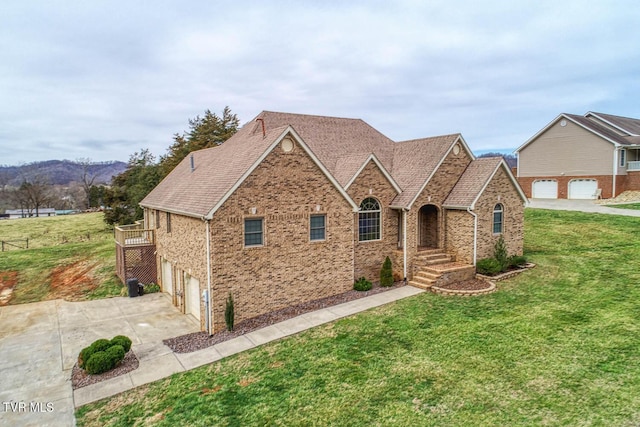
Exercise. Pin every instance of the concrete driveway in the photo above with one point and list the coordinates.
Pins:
(579, 205)
(40, 342)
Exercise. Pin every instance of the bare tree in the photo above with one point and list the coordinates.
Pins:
(33, 195)
(86, 178)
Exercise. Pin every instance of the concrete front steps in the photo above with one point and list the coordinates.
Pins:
(435, 266)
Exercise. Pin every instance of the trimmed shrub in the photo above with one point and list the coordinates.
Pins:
(123, 341)
(386, 274)
(116, 354)
(517, 260)
(98, 363)
(488, 266)
(86, 353)
(362, 284)
(229, 313)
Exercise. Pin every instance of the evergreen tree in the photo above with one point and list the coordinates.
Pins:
(204, 132)
(386, 274)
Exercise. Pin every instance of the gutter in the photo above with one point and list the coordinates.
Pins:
(404, 243)
(475, 234)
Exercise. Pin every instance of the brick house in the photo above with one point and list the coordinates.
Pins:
(294, 208)
(581, 157)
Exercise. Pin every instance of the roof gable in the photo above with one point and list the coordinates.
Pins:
(415, 162)
(475, 180)
(589, 125)
(387, 175)
(219, 171)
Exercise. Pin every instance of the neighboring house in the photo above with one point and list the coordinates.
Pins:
(581, 157)
(30, 213)
(294, 208)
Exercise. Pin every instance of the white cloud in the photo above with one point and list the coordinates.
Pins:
(104, 79)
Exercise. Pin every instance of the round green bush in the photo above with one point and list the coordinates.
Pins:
(116, 354)
(125, 342)
(86, 353)
(98, 363)
(362, 284)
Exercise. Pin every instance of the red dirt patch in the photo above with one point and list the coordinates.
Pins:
(8, 280)
(70, 282)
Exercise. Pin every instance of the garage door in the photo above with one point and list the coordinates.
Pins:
(167, 280)
(192, 293)
(545, 189)
(583, 188)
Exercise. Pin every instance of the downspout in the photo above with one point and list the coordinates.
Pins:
(209, 299)
(475, 234)
(404, 243)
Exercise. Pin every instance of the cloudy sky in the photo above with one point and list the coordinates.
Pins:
(102, 79)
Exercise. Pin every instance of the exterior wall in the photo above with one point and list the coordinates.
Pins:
(435, 194)
(605, 182)
(185, 248)
(370, 255)
(288, 269)
(566, 150)
(500, 190)
(459, 235)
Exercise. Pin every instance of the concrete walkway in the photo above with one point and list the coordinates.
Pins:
(166, 363)
(579, 205)
(39, 344)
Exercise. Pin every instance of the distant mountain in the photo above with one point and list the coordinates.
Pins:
(61, 172)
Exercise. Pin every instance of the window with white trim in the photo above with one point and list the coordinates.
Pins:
(498, 216)
(369, 220)
(317, 227)
(253, 232)
(623, 157)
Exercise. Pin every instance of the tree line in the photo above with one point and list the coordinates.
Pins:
(144, 172)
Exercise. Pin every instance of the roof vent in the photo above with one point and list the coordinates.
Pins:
(193, 165)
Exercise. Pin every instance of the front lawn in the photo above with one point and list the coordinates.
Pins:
(634, 206)
(557, 345)
(70, 257)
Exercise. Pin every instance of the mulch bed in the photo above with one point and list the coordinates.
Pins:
(80, 378)
(199, 340)
(467, 285)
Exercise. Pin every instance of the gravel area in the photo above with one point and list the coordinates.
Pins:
(626, 197)
(467, 285)
(80, 378)
(199, 340)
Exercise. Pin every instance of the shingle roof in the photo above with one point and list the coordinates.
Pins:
(598, 128)
(414, 162)
(332, 138)
(472, 182)
(340, 145)
(630, 125)
(217, 169)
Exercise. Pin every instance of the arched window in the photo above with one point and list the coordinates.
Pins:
(369, 220)
(498, 216)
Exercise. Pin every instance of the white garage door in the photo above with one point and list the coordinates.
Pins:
(545, 189)
(192, 293)
(167, 282)
(583, 189)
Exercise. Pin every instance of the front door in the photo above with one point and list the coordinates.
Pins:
(428, 227)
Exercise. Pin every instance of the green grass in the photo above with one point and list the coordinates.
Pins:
(557, 345)
(634, 206)
(65, 243)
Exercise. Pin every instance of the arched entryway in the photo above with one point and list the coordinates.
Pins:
(428, 233)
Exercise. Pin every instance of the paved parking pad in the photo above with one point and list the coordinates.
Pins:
(40, 342)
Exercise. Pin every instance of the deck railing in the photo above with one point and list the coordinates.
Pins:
(134, 235)
(633, 166)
